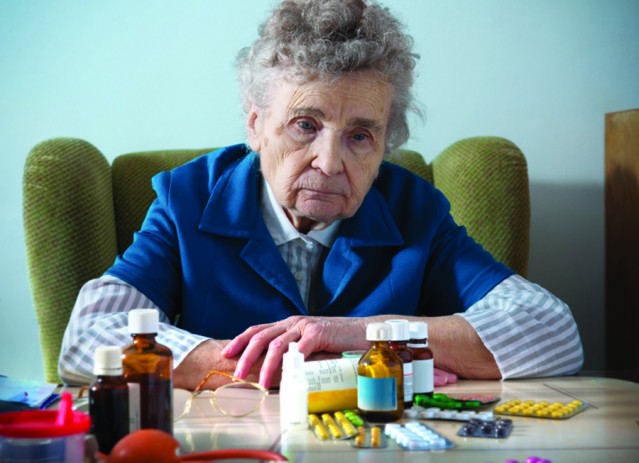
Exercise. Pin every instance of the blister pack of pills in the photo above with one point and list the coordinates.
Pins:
(369, 438)
(434, 413)
(498, 429)
(337, 425)
(445, 402)
(416, 436)
(541, 409)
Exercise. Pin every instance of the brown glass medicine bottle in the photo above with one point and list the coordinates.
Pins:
(423, 362)
(108, 398)
(380, 378)
(148, 369)
(400, 335)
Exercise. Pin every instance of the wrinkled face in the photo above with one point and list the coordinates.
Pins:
(321, 145)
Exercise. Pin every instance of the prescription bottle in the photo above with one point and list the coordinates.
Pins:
(423, 363)
(400, 335)
(380, 378)
(148, 370)
(293, 390)
(332, 384)
(108, 398)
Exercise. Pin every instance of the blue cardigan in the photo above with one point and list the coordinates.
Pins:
(204, 252)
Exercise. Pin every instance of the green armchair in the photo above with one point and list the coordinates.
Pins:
(80, 212)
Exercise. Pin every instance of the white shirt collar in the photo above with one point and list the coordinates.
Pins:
(283, 231)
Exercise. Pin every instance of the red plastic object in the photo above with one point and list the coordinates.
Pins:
(154, 446)
(45, 423)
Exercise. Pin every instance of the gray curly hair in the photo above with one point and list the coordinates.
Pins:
(325, 39)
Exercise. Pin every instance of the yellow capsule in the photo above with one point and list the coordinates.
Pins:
(320, 432)
(556, 414)
(542, 413)
(528, 411)
(360, 439)
(376, 436)
(313, 420)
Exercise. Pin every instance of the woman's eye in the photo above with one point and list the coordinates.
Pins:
(305, 125)
(360, 137)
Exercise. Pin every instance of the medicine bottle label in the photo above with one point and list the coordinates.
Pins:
(331, 375)
(134, 407)
(423, 376)
(408, 381)
(376, 394)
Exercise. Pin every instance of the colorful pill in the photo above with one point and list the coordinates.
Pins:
(376, 436)
(320, 432)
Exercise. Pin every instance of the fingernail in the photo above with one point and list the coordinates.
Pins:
(263, 383)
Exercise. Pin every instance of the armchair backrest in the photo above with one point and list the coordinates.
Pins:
(80, 212)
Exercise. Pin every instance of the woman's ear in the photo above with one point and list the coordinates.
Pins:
(254, 127)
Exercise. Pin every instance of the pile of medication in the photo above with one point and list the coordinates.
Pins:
(542, 409)
(416, 436)
(498, 429)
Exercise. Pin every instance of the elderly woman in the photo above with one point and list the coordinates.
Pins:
(305, 234)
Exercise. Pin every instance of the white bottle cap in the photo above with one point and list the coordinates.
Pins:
(400, 329)
(144, 321)
(378, 332)
(419, 330)
(107, 361)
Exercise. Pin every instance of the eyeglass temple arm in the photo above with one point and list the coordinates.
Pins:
(228, 454)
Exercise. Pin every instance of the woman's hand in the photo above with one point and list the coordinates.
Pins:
(313, 334)
(442, 378)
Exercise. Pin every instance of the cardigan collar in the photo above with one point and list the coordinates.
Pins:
(233, 210)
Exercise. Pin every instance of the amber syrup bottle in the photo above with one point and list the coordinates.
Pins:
(423, 362)
(400, 335)
(108, 398)
(380, 378)
(148, 369)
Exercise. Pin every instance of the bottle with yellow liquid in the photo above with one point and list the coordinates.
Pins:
(380, 386)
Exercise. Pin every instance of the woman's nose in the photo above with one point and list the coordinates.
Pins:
(328, 155)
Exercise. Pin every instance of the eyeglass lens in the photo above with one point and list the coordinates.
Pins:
(238, 399)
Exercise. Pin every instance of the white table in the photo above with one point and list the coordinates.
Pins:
(607, 431)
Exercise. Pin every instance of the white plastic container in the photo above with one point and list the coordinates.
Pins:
(293, 391)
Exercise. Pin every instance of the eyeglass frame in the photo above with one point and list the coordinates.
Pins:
(234, 381)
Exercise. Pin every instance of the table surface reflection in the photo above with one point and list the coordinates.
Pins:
(607, 431)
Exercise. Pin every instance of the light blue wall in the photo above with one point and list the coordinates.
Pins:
(142, 75)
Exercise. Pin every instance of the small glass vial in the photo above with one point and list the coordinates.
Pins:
(380, 378)
(148, 369)
(400, 335)
(423, 366)
(293, 391)
(108, 398)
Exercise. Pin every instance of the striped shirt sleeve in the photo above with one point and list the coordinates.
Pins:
(100, 317)
(529, 331)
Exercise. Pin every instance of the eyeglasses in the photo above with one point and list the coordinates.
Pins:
(237, 398)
